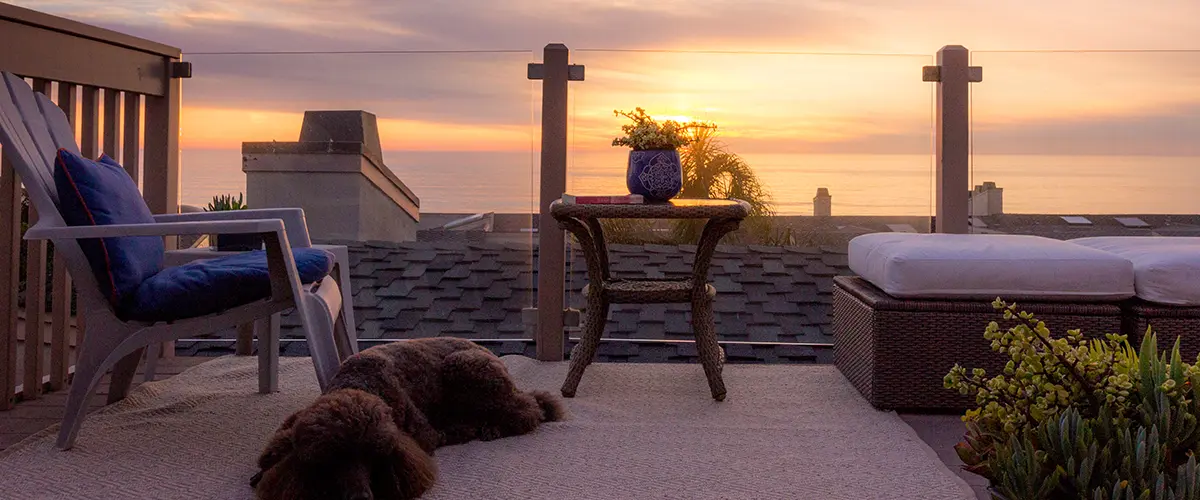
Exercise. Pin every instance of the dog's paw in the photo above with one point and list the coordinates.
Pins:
(552, 406)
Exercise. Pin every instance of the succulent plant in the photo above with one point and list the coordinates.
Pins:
(1076, 418)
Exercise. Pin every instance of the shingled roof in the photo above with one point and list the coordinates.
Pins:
(772, 305)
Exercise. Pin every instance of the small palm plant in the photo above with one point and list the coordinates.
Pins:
(711, 171)
(226, 202)
(233, 242)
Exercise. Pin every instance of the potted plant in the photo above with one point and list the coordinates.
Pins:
(233, 242)
(654, 168)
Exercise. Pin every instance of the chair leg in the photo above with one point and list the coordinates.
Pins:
(89, 369)
(346, 346)
(267, 331)
(585, 351)
(350, 328)
(318, 331)
(122, 376)
(711, 355)
(153, 353)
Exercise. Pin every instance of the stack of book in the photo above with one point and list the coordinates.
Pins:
(621, 199)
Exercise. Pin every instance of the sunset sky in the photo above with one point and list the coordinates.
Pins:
(1075, 103)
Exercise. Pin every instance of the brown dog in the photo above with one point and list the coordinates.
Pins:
(372, 434)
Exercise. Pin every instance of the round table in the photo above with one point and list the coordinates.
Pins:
(583, 221)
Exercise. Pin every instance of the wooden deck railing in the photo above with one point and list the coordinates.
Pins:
(105, 81)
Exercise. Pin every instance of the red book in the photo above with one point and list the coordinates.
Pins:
(626, 199)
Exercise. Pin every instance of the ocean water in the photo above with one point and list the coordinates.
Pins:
(859, 184)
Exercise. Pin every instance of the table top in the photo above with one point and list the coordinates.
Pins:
(684, 208)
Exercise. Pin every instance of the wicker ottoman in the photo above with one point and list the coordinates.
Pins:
(1169, 323)
(897, 351)
(921, 303)
(1166, 272)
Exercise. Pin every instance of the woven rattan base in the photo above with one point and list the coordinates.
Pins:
(896, 352)
(1169, 323)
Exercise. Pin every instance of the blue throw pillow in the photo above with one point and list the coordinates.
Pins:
(100, 193)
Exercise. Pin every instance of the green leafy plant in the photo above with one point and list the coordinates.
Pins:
(226, 202)
(1072, 417)
(646, 133)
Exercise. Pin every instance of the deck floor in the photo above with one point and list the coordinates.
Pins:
(32, 416)
(939, 431)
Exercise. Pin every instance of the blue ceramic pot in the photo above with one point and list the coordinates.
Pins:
(655, 174)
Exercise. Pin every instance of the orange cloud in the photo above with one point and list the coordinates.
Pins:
(224, 128)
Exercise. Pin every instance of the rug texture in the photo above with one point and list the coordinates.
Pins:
(634, 431)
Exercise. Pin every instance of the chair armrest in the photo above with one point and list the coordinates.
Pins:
(160, 229)
(281, 265)
(293, 220)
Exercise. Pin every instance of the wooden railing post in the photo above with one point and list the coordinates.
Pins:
(161, 181)
(554, 72)
(953, 75)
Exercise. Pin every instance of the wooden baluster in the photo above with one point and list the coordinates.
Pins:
(89, 126)
(10, 255)
(60, 324)
(112, 124)
(131, 151)
(60, 300)
(35, 312)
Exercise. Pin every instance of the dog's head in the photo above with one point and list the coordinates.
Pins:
(345, 446)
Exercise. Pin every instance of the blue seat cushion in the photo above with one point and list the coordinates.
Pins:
(100, 193)
(214, 285)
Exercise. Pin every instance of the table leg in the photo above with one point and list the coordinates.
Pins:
(590, 238)
(582, 354)
(711, 355)
(703, 324)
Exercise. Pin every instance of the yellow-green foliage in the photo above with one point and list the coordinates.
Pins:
(1071, 417)
(647, 133)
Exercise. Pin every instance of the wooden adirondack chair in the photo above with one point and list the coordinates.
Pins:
(32, 129)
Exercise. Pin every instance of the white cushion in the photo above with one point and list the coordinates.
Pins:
(1166, 269)
(986, 266)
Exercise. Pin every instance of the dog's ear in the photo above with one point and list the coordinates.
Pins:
(405, 469)
(280, 446)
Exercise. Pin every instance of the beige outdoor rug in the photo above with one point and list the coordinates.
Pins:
(635, 431)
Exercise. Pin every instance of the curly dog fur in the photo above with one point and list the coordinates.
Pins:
(372, 435)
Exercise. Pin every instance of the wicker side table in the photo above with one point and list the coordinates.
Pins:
(584, 222)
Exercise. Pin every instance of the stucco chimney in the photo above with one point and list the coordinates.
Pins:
(335, 172)
(986, 199)
(822, 203)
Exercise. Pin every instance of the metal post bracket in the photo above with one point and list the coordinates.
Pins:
(537, 72)
(934, 74)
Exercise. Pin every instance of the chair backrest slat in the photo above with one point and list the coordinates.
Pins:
(30, 161)
(23, 116)
(61, 130)
(23, 98)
